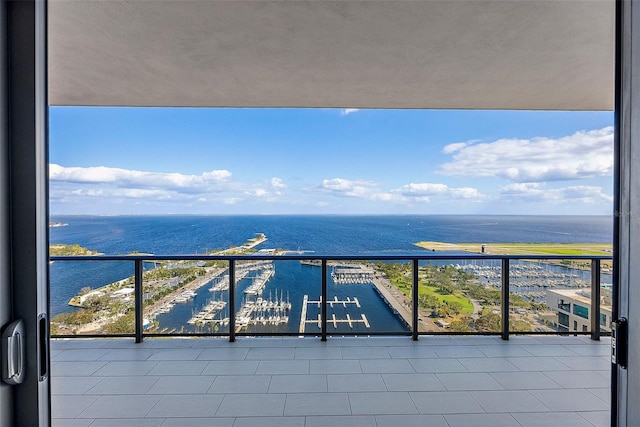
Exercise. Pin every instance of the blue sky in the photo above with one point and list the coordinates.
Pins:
(329, 161)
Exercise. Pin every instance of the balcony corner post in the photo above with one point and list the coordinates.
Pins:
(138, 270)
(414, 300)
(323, 297)
(505, 299)
(232, 300)
(595, 299)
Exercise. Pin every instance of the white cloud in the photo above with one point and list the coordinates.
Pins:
(257, 192)
(585, 154)
(535, 192)
(126, 178)
(347, 111)
(406, 194)
(452, 148)
(349, 188)
(423, 191)
(277, 183)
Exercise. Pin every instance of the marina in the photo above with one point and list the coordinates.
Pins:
(530, 279)
(270, 311)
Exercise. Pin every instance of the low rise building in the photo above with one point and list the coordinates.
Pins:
(573, 307)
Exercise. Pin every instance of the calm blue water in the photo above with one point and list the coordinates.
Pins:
(324, 235)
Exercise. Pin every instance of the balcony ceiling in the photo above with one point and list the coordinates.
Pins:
(476, 54)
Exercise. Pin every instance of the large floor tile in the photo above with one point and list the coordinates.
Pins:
(230, 367)
(508, 401)
(270, 422)
(270, 353)
(386, 366)
(298, 383)
(283, 367)
(412, 382)
(124, 385)
(445, 402)
(355, 382)
(481, 420)
(334, 367)
(120, 406)
(343, 421)
(570, 400)
(190, 384)
(437, 365)
(75, 369)
(187, 405)
(524, 380)
(564, 419)
(128, 368)
(73, 385)
(241, 384)
(70, 406)
(377, 403)
(411, 421)
(198, 422)
(317, 404)
(468, 381)
(252, 405)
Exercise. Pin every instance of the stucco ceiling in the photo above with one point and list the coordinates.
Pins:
(478, 54)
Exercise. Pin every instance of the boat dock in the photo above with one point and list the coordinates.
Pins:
(334, 320)
(355, 275)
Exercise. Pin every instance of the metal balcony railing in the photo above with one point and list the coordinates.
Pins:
(504, 262)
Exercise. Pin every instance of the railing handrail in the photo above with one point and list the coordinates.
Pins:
(299, 257)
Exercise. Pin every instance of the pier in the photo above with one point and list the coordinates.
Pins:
(356, 275)
(384, 289)
(334, 320)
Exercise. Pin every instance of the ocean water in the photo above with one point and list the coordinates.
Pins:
(322, 235)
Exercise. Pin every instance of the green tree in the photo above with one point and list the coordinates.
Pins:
(462, 325)
(488, 322)
(121, 325)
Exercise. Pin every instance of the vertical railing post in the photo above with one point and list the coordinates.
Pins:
(505, 299)
(138, 299)
(414, 300)
(232, 300)
(595, 299)
(323, 297)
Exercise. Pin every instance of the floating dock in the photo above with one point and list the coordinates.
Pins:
(334, 320)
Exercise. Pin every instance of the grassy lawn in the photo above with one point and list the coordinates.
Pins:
(523, 248)
(457, 297)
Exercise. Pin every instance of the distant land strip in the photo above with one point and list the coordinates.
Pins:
(522, 248)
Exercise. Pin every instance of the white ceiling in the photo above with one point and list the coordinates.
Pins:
(477, 54)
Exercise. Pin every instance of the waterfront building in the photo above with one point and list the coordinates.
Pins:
(573, 308)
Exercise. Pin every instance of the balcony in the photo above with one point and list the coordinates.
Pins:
(527, 381)
(321, 375)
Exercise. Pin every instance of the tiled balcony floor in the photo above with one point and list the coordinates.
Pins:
(437, 382)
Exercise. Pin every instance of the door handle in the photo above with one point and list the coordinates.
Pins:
(13, 358)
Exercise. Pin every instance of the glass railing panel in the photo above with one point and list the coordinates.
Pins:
(550, 296)
(368, 297)
(478, 284)
(91, 297)
(186, 297)
(96, 297)
(269, 295)
(606, 302)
